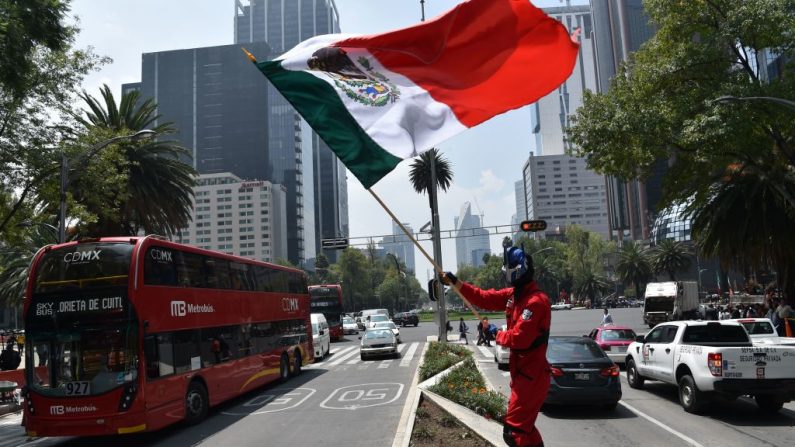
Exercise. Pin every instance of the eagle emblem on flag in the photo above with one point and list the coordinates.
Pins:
(368, 87)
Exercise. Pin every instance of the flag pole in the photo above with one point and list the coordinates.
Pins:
(422, 250)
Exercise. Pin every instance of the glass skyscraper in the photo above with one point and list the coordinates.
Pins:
(318, 204)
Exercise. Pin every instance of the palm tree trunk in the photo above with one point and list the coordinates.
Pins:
(637, 290)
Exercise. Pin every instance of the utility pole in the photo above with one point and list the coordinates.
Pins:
(435, 235)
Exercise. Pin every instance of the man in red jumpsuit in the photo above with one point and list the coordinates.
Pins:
(528, 312)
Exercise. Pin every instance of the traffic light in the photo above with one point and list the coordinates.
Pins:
(533, 225)
(432, 289)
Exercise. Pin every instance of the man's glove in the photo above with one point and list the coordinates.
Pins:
(448, 278)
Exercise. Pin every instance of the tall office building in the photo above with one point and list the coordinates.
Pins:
(216, 101)
(620, 27)
(521, 208)
(235, 216)
(551, 115)
(471, 241)
(399, 245)
(283, 24)
(562, 191)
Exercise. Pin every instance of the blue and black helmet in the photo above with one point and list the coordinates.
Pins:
(517, 265)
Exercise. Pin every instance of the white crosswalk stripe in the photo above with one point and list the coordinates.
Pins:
(406, 360)
(401, 346)
(487, 352)
(385, 364)
(343, 355)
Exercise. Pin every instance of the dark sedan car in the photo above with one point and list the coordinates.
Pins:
(406, 318)
(581, 374)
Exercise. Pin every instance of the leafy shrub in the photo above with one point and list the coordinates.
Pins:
(422, 413)
(466, 386)
(441, 356)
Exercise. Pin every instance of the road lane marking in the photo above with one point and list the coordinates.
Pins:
(401, 346)
(679, 435)
(406, 361)
(486, 351)
(385, 364)
(343, 357)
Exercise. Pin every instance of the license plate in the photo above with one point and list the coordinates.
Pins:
(582, 376)
(77, 388)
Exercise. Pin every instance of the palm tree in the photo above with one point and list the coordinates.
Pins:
(670, 256)
(634, 265)
(747, 221)
(159, 183)
(420, 174)
(591, 286)
(15, 261)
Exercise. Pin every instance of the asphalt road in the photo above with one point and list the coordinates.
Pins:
(344, 401)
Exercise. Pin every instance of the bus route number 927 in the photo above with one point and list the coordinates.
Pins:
(77, 388)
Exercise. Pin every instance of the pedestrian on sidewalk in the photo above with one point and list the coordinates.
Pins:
(462, 330)
(607, 318)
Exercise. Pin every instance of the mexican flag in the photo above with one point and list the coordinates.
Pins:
(376, 100)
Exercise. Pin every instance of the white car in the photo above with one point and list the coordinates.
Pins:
(349, 326)
(561, 306)
(376, 319)
(501, 353)
(388, 325)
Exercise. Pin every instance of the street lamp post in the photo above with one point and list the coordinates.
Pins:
(141, 134)
(397, 266)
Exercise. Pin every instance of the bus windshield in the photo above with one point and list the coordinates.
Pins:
(84, 266)
(87, 361)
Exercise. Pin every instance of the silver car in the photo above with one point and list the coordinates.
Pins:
(378, 342)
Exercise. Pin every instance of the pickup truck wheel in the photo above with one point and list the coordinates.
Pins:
(769, 404)
(691, 399)
(634, 378)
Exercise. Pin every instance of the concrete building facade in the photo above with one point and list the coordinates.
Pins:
(561, 190)
(236, 216)
(399, 245)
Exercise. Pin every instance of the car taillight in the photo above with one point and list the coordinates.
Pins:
(610, 371)
(715, 363)
(605, 347)
(556, 372)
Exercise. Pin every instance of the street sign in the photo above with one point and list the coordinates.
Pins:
(534, 225)
(334, 244)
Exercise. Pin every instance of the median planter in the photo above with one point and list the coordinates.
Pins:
(456, 404)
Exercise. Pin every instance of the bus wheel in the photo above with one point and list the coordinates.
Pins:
(284, 368)
(297, 362)
(196, 403)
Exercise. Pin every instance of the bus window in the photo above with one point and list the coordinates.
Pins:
(217, 273)
(190, 270)
(241, 276)
(159, 267)
(159, 352)
(186, 349)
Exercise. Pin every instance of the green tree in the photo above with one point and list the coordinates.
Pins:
(670, 256)
(634, 266)
(592, 286)
(15, 261)
(490, 276)
(355, 278)
(420, 174)
(467, 273)
(40, 75)
(747, 224)
(664, 105)
(156, 196)
(26, 28)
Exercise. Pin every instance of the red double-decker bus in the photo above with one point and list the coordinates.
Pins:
(132, 334)
(327, 299)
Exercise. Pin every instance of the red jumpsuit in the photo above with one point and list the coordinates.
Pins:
(529, 319)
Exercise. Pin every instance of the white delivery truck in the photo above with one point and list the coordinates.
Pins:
(662, 298)
(708, 359)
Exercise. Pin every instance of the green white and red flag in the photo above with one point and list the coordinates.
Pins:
(379, 99)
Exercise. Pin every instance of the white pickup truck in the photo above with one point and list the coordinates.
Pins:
(763, 333)
(708, 359)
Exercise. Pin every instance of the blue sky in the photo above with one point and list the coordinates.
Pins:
(486, 160)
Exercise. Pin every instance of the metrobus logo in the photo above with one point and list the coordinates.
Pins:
(178, 309)
(181, 308)
(289, 304)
